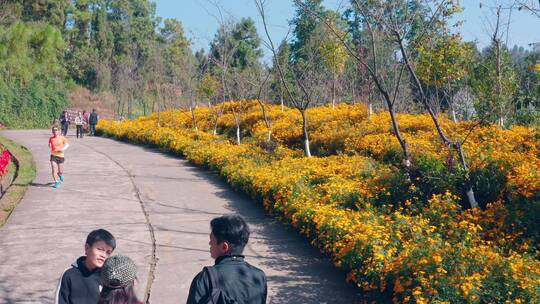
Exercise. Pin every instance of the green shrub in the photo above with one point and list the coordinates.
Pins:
(34, 105)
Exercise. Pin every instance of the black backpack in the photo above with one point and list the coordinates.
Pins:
(216, 294)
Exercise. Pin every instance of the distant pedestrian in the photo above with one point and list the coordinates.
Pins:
(79, 124)
(118, 277)
(85, 120)
(231, 279)
(93, 120)
(81, 283)
(58, 145)
(64, 122)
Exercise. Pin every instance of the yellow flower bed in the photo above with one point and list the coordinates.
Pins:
(415, 252)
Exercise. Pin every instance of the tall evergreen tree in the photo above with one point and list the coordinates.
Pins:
(305, 24)
(247, 43)
(53, 12)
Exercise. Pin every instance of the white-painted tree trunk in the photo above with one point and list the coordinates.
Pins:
(471, 198)
(334, 93)
(281, 97)
(306, 148)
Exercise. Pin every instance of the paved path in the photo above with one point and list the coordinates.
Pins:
(159, 208)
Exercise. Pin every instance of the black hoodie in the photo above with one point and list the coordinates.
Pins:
(78, 285)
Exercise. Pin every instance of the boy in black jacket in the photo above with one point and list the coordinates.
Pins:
(80, 284)
(239, 281)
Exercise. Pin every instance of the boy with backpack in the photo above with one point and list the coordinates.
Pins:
(231, 279)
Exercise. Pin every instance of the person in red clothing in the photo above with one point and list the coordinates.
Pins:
(58, 145)
(85, 120)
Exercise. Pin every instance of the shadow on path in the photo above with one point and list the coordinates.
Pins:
(41, 185)
(37, 296)
(306, 269)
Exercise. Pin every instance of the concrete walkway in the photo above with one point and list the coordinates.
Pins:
(159, 208)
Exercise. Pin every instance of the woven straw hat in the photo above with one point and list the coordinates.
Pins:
(118, 271)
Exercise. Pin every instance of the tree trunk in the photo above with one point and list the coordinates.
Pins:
(370, 99)
(470, 192)
(444, 138)
(237, 120)
(144, 107)
(193, 119)
(451, 102)
(266, 120)
(130, 106)
(158, 101)
(454, 117)
(334, 92)
(281, 97)
(436, 103)
(471, 198)
(158, 117)
(402, 141)
(422, 93)
(305, 133)
(192, 108)
(498, 69)
(218, 115)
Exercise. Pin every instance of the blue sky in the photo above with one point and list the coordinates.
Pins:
(200, 23)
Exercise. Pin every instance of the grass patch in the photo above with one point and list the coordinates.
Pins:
(21, 171)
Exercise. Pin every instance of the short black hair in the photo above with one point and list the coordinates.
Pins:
(101, 235)
(232, 229)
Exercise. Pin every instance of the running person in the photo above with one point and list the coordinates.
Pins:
(58, 144)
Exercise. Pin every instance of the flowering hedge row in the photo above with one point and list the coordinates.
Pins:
(504, 164)
(418, 251)
(347, 129)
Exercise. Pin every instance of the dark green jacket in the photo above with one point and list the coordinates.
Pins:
(242, 282)
(93, 118)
